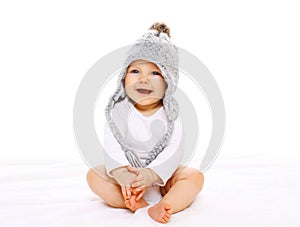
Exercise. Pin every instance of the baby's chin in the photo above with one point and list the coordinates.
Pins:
(144, 101)
(148, 101)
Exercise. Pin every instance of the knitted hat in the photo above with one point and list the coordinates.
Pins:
(154, 46)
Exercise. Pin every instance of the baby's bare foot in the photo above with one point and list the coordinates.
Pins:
(133, 205)
(160, 212)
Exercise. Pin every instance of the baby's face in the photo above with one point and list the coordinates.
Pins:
(144, 83)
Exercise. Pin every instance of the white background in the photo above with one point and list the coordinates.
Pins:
(252, 49)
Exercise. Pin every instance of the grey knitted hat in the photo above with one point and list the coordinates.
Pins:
(154, 46)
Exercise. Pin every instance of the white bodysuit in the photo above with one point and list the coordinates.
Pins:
(143, 132)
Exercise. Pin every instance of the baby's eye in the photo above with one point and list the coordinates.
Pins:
(134, 71)
(155, 73)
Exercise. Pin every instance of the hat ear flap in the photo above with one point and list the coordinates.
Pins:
(122, 92)
(121, 84)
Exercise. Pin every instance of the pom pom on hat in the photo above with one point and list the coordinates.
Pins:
(161, 28)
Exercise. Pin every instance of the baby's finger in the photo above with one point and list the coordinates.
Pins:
(139, 178)
(137, 184)
(133, 170)
(128, 191)
(141, 188)
(140, 195)
(123, 189)
(133, 191)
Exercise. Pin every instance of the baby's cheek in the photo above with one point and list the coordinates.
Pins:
(129, 81)
(161, 91)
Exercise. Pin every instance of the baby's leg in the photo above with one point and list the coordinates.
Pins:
(105, 187)
(179, 192)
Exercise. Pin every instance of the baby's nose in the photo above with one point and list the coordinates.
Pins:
(143, 79)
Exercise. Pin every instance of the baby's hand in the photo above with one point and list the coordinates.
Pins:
(124, 177)
(145, 178)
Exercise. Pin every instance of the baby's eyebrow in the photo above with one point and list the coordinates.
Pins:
(133, 66)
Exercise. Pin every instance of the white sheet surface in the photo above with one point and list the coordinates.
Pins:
(237, 192)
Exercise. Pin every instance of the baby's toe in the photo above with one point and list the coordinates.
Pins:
(164, 220)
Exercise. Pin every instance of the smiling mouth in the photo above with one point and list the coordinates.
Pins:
(144, 91)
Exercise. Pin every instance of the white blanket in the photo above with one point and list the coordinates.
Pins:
(236, 192)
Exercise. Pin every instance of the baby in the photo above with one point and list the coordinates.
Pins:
(143, 138)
